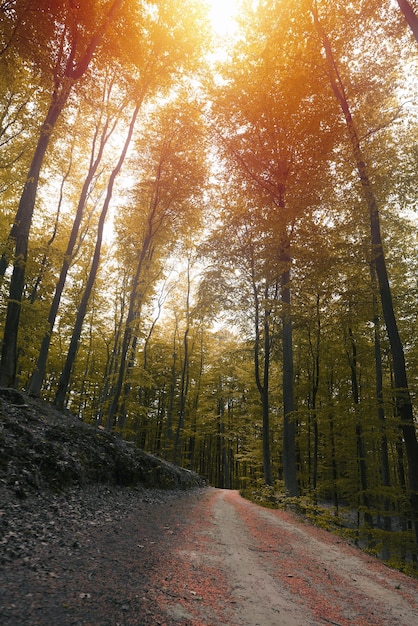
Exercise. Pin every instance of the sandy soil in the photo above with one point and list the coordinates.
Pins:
(208, 557)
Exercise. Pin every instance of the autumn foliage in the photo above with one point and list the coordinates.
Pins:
(211, 251)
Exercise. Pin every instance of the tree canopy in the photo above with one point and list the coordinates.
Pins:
(209, 240)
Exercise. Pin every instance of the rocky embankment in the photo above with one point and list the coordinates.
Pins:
(43, 448)
(58, 474)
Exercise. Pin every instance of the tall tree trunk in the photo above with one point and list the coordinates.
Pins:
(40, 367)
(332, 442)
(229, 456)
(170, 407)
(410, 16)
(361, 448)
(193, 425)
(262, 381)
(289, 424)
(120, 416)
(220, 467)
(314, 347)
(144, 259)
(401, 391)
(85, 376)
(184, 385)
(110, 368)
(384, 451)
(20, 235)
(21, 227)
(268, 475)
(72, 351)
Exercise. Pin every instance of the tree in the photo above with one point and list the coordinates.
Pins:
(410, 16)
(102, 133)
(81, 313)
(401, 391)
(165, 207)
(237, 252)
(267, 120)
(169, 52)
(76, 39)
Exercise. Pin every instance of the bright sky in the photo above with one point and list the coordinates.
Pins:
(222, 14)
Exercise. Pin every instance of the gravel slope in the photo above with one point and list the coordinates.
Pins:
(42, 449)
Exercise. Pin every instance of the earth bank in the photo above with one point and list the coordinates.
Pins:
(43, 448)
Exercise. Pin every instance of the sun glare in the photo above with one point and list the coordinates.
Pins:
(222, 14)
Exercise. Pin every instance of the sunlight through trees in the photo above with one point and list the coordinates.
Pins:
(250, 309)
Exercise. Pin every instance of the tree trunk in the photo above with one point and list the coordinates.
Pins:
(314, 348)
(268, 475)
(401, 391)
(361, 449)
(384, 451)
(193, 425)
(72, 351)
(289, 424)
(410, 16)
(184, 385)
(263, 382)
(110, 369)
(170, 407)
(332, 443)
(20, 235)
(40, 368)
(220, 467)
(133, 310)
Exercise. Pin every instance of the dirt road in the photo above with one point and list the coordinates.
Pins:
(205, 558)
(279, 571)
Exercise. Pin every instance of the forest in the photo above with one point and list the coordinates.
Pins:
(209, 243)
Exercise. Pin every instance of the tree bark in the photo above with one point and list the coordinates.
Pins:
(72, 351)
(410, 16)
(289, 424)
(401, 391)
(21, 227)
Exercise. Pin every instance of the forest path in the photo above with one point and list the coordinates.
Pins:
(206, 557)
(285, 572)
